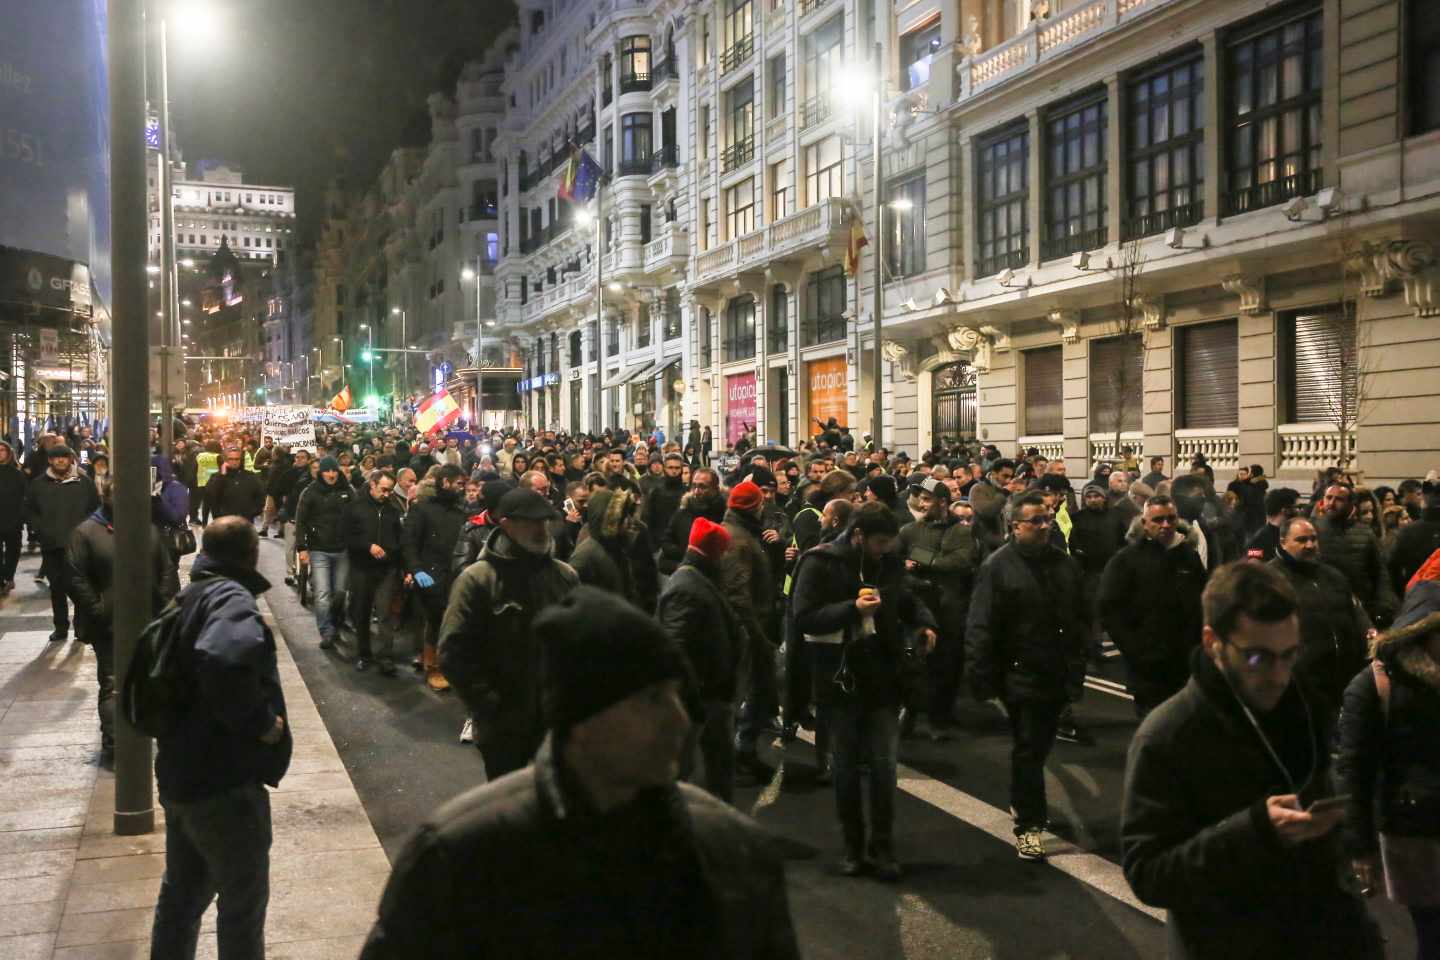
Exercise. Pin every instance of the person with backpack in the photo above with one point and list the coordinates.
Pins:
(91, 559)
(219, 751)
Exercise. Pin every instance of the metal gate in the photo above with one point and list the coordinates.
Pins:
(952, 418)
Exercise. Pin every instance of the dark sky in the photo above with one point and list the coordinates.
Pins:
(296, 91)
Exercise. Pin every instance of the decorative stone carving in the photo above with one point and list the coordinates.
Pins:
(984, 357)
(1039, 9)
(998, 338)
(1068, 320)
(970, 43)
(963, 339)
(1152, 309)
(1250, 289)
(899, 355)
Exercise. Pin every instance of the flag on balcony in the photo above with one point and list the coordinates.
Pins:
(582, 177)
(342, 400)
(437, 412)
(857, 241)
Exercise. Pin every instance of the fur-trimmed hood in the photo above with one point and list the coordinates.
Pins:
(606, 512)
(1403, 645)
(1187, 530)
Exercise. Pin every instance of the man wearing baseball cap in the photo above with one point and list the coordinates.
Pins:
(486, 648)
(595, 851)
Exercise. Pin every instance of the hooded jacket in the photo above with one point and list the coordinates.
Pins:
(432, 526)
(56, 507)
(746, 578)
(171, 507)
(216, 745)
(13, 484)
(696, 617)
(603, 556)
(1332, 625)
(1390, 765)
(1196, 838)
(487, 649)
(1149, 603)
(91, 556)
(673, 873)
(324, 511)
(677, 532)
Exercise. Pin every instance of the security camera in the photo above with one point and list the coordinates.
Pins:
(1294, 208)
(1329, 199)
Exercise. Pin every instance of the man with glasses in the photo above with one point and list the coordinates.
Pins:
(1025, 643)
(1149, 604)
(1220, 824)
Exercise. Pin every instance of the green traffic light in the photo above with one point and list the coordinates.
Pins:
(372, 401)
(259, 391)
(367, 356)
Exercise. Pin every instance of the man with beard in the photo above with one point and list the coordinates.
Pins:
(1352, 549)
(431, 528)
(487, 649)
(1333, 625)
(703, 500)
(663, 496)
(604, 558)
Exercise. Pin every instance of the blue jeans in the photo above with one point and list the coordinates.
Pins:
(860, 734)
(216, 845)
(327, 578)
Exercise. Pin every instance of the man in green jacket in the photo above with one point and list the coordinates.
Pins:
(939, 553)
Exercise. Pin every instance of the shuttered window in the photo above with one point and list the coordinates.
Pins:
(1043, 387)
(1319, 351)
(1117, 365)
(1210, 375)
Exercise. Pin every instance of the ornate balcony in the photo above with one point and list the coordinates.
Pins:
(823, 224)
(1051, 446)
(1307, 447)
(1219, 445)
(737, 53)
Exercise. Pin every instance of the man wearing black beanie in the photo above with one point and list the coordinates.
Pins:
(594, 851)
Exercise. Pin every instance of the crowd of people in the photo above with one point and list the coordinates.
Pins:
(856, 594)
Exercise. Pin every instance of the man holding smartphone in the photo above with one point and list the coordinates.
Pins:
(1225, 820)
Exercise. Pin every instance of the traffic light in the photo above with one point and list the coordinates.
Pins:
(260, 392)
(367, 356)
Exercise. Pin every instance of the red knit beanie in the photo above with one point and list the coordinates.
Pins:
(709, 538)
(746, 496)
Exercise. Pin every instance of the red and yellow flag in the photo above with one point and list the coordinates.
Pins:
(437, 412)
(852, 249)
(342, 400)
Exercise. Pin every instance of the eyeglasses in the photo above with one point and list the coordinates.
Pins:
(1041, 521)
(1260, 660)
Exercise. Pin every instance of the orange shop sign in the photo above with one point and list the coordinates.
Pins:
(829, 392)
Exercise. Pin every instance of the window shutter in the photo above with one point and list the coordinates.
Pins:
(1107, 359)
(1318, 356)
(1043, 389)
(1210, 375)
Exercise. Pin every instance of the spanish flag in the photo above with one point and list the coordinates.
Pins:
(581, 178)
(437, 412)
(852, 249)
(342, 400)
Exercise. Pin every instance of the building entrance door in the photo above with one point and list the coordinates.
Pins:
(953, 412)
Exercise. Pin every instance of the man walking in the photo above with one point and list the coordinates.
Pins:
(230, 743)
(55, 504)
(1352, 549)
(487, 650)
(1149, 603)
(320, 542)
(749, 585)
(1213, 827)
(595, 852)
(1026, 643)
(372, 534)
(234, 491)
(428, 542)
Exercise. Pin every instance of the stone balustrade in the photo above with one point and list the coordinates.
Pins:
(1051, 446)
(1307, 447)
(1219, 445)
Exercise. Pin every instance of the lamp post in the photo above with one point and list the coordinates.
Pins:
(469, 274)
(405, 339)
(370, 359)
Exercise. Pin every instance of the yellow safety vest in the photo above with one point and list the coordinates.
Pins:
(206, 466)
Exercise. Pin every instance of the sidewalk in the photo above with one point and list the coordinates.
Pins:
(71, 889)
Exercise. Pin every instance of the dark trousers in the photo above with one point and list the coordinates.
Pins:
(505, 755)
(860, 734)
(944, 666)
(1427, 932)
(373, 589)
(104, 643)
(1032, 726)
(218, 845)
(55, 569)
(761, 703)
(712, 741)
(9, 555)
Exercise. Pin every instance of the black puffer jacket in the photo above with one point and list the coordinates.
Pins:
(1095, 537)
(324, 511)
(91, 556)
(677, 532)
(746, 578)
(827, 581)
(1197, 841)
(56, 507)
(13, 483)
(1027, 634)
(1352, 549)
(371, 522)
(1149, 603)
(662, 500)
(695, 615)
(674, 873)
(471, 541)
(235, 493)
(1332, 626)
(1390, 766)
(428, 538)
(487, 650)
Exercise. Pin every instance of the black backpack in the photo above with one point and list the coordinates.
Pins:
(159, 686)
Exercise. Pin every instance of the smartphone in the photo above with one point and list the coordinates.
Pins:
(569, 505)
(1327, 804)
(153, 476)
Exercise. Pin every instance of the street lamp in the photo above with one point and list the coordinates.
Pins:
(400, 312)
(369, 357)
(469, 274)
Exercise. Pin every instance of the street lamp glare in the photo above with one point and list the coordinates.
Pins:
(583, 217)
(152, 269)
(902, 204)
(394, 311)
(195, 22)
(614, 287)
(467, 274)
(187, 263)
(855, 88)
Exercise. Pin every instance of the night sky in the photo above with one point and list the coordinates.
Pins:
(296, 91)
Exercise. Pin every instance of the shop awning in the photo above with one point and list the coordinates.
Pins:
(664, 366)
(624, 377)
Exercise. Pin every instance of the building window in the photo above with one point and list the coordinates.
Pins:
(1075, 177)
(1166, 144)
(916, 49)
(707, 351)
(672, 314)
(740, 208)
(575, 348)
(824, 176)
(1422, 31)
(775, 86)
(1004, 195)
(635, 143)
(905, 228)
(824, 49)
(1117, 367)
(1209, 375)
(739, 36)
(1319, 352)
(782, 189)
(1043, 390)
(777, 320)
(642, 325)
(612, 339)
(607, 148)
(824, 307)
(634, 64)
(645, 226)
(741, 133)
(739, 332)
(1274, 77)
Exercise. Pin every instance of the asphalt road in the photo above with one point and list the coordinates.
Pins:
(965, 894)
